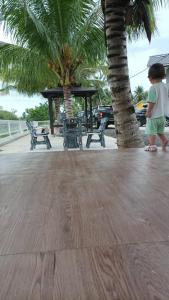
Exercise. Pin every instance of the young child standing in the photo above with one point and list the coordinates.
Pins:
(157, 103)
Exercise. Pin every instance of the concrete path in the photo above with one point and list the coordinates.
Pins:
(22, 145)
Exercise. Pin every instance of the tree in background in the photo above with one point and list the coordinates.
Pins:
(39, 113)
(8, 115)
(122, 17)
(140, 94)
(97, 77)
(54, 40)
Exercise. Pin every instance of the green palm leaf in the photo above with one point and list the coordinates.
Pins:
(54, 40)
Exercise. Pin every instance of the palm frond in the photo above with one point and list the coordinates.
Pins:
(89, 38)
(45, 31)
(28, 70)
(140, 18)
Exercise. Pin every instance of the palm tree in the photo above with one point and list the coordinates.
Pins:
(53, 39)
(140, 94)
(124, 17)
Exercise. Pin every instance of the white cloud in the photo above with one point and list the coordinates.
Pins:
(139, 51)
(137, 63)
(19, 102)
(162, 22)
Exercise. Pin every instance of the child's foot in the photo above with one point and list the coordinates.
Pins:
(152, 148)
(165, 145)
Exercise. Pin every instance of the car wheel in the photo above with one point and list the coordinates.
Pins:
(139, 123)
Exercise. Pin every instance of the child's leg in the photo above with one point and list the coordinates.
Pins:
(164, 140)
(152, 140)
(160, 132)
(151, 131)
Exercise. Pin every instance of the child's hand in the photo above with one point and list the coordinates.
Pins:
(148, 114)
(150, 109)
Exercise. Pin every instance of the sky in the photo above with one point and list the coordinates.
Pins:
(138, 56)
(140, 51)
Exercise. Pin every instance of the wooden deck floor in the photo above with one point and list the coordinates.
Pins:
(84, 225)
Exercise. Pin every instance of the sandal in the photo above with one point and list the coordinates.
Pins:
(152, 148)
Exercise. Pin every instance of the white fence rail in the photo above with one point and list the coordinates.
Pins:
(45, 124)
(11, 129)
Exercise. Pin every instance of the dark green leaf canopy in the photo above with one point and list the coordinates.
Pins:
(140, 17)
(52, 38)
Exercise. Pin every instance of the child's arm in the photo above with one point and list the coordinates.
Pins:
(152, 100)
(149, 109)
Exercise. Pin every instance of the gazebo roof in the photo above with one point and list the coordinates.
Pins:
(163, 59)
(76, 91)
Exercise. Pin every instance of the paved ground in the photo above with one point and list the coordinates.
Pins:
(22, 145)
(111, 132)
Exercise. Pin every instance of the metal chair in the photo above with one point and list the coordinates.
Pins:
(72, 133)
(99, 132)
(35, 136)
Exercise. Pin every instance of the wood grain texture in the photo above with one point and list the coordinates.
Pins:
(133, 272)
(84, 225)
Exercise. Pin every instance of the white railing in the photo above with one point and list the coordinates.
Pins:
(11, 128)
(42, 123)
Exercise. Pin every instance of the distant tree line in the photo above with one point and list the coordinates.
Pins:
(8, 115)
(39, 113)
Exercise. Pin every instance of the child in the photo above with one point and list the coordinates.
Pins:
(157, 103)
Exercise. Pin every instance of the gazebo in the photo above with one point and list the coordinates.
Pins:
(84, 92)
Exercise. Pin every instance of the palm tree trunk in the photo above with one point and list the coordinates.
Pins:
(127, 130)
(57, 108)
(68, 101)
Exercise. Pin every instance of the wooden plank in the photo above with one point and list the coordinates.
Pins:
(76, 200)
(84, 225)
(131, 272)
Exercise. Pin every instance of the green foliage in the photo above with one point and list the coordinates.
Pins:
(39, 113)
(139, 94)
(52, 40)
(140, 18)
(102, 97)
(7, 115)
(97, 78)
(77, 105)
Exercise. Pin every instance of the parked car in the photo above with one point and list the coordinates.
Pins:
(141, 115)
(81, 115)
(103, 111)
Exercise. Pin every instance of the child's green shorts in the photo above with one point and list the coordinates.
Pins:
(155, 126)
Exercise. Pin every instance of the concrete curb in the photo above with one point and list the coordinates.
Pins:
(11, 139)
